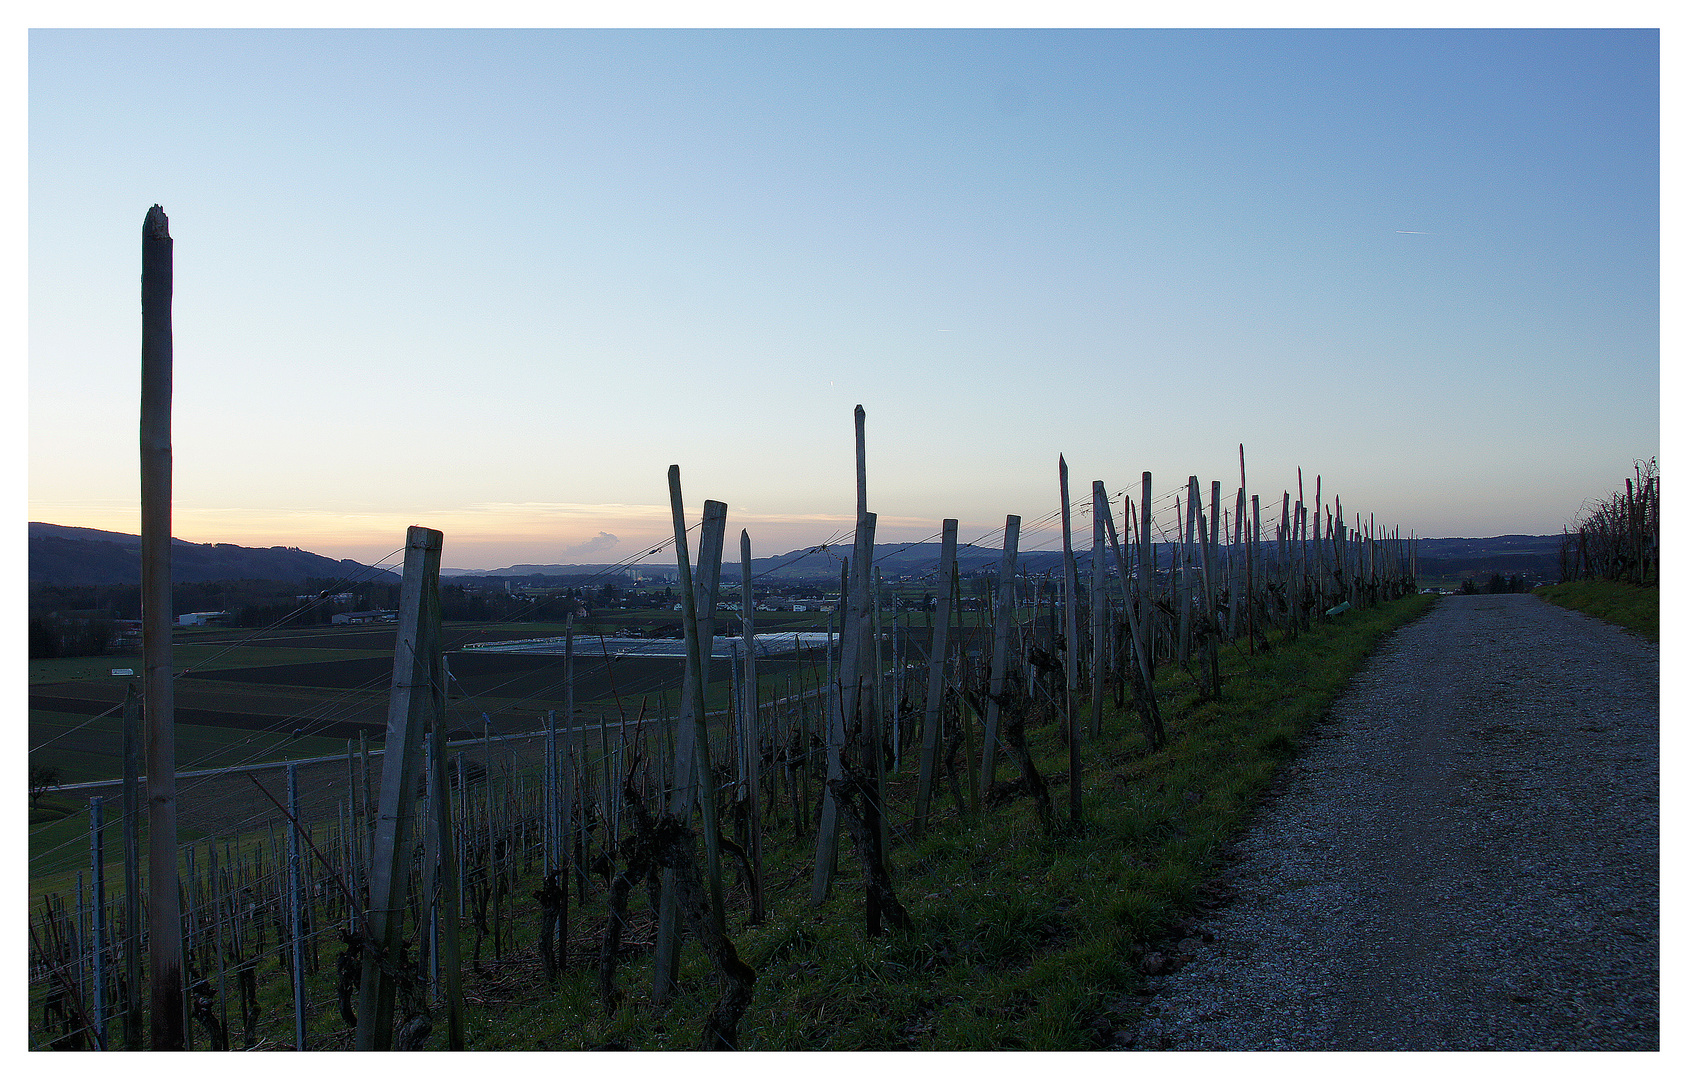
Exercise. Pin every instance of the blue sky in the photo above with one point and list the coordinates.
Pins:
(496, 282)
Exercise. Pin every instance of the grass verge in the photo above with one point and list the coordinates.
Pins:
(1633, 607)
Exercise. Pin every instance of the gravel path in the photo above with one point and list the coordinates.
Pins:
(1466, 857)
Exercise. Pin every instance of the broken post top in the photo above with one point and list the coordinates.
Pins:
(156, 226)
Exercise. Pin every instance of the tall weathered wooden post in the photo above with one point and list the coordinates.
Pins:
(450, 958)
(417, 699)
(999, 648)
(1098, 608)
(295, 922)
(933, 720)
(132, 1018)
(169, 1026)
(844, 689)
(693, 776)
(1069, 628)
(96, 881)
(1153, 730)
(750, 732)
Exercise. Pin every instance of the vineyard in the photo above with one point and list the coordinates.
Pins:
(646, 858)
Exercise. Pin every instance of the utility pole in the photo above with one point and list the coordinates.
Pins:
(169, 1028)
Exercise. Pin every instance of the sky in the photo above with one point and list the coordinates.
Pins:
(497, 282)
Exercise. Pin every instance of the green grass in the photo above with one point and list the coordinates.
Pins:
(1023, 939)
(1633, 607)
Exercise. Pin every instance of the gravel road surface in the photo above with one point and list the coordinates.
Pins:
(1465, 858)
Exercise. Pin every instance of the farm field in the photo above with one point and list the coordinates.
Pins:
(301, 693)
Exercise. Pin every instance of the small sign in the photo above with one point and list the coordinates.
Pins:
(122, 671)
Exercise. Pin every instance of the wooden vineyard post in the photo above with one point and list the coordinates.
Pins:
(897, 675)
(1286, 544)
(853, 632)
(96, 880)
(1146, 571)
(752, 739)
(416, 699)
(843, 687)
(450, 957)
(1254, 547)
(1069, 570)
(1098, 609)
(1248, 542)
(1141, 648)
(169, 1019)
(132, 1018)
(428, 932)
(694, 779)
(932, 722)
(295, 921)
(1186, 567)
(874, 721)
(1210, 575)
(492, 839)
(549, 801)
(1319, 589)
(999, 648)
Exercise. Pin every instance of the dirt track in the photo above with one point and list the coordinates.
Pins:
(1467, 858)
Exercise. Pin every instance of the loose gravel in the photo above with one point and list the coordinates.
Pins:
(1465, 858)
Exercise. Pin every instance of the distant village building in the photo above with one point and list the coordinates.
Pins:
(203, 618)
(354, 618)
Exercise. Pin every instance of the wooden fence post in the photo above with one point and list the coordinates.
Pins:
(294, 915)
(999, 649)
(853, 632)
(1069, 571)
(1098, 608)
(694, 779)
(169, 1019)
(450, 956)
(1146, 571)
(416, 699)
(1141, 647)
(132, 1012)
(96, 860)
(752, 738)
(932, 722)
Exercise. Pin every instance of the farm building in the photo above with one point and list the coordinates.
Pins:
(203, 618)
(354, 618)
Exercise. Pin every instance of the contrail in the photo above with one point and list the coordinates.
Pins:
(1413, 232)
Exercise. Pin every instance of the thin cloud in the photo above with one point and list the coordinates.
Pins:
(600, 542)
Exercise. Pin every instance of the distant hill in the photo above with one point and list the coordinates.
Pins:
(1531, 556)
(806, 564)
(65, 555)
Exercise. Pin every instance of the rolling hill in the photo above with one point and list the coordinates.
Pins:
(65, 555)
